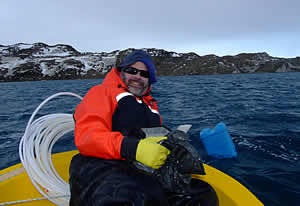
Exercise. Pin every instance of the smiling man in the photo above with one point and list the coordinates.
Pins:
(136, 78)
(108, 136)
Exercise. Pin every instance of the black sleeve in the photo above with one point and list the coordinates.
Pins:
(129, 147)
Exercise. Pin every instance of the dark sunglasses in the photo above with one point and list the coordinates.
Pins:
(134, 71)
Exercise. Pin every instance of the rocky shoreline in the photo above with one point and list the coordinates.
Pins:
(39, 61)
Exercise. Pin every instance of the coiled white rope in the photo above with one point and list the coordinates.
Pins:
(36, 147)
(30, 200)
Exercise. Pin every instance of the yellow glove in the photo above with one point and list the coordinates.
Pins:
(150, 153)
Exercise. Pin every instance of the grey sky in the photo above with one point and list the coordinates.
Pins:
(221, 27)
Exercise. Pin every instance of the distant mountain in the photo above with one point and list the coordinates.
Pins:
(39, 61)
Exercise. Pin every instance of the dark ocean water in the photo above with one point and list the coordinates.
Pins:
(261, 111)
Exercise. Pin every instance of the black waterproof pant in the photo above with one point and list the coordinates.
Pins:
(101, 182)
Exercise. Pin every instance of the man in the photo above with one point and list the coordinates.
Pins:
(108, 136)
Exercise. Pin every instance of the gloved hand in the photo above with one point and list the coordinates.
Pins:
(150, 153)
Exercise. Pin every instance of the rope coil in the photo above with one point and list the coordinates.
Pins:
(36, 147)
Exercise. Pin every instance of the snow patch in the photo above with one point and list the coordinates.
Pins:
(44, 52)
(24, 46)
(175, 55)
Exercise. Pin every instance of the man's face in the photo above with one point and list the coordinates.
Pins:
(136, 84)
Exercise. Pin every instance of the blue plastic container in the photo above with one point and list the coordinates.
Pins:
(218, 142)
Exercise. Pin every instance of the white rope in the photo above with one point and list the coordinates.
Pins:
(30, 200)
(36, 147)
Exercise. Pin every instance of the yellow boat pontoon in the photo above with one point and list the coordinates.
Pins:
(15, 185)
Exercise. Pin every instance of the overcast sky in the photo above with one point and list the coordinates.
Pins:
(221, 27)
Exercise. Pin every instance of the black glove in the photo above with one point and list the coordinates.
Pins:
(188, 159)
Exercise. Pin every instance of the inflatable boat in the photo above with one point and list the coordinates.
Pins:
(42, 177)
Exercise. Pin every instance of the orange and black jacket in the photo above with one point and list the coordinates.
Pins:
(107, 115)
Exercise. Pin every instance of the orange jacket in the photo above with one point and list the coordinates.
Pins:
(94, 121)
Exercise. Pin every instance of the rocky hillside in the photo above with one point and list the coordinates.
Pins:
(39, 61)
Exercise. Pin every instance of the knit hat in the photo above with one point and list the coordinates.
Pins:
(142, 56)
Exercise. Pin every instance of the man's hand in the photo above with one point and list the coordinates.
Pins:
(151, 153)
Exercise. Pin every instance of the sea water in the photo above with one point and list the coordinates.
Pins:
(261, 112)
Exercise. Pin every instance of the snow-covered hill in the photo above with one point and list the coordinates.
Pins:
(39, 61)
(21, 62)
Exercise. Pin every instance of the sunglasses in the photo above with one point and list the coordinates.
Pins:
(134, 71)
